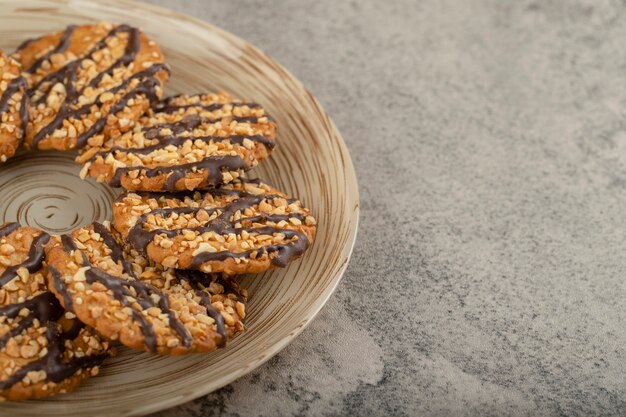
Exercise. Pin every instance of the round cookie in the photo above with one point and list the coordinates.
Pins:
(185, 143)
(89, 83)
(43, 349)
(242, 227)
(143, 305)
(13, 106)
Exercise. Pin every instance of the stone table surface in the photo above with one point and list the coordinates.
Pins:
(489, 276)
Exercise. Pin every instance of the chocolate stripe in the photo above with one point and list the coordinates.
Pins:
(193, 122)
(46, 309)
(9, 228)
(32, 263)
(167, 107)
(120, 288)
(67, 76)
(53, 363)
(13, 88)
(43, 307)
(64, 43)
(140, 238)
(178, 141)
(213, 165)
(61, 288)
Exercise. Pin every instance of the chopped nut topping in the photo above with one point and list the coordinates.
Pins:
(115, 84)
(28, 323)
(185, 143)
(123, 300)
(242, 227)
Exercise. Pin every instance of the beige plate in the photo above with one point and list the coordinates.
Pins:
(311, 162)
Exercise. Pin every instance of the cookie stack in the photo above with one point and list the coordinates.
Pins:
(161, 276)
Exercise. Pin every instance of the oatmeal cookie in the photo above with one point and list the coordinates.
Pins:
(242, 227)
(185, 143)
(143, 305)
(89, 83)
(13, 106)
(43, 349)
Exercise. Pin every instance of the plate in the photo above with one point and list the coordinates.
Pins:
(311, 162)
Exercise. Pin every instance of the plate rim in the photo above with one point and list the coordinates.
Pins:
(160, 404)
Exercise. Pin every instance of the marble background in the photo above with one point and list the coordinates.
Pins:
(489, 138)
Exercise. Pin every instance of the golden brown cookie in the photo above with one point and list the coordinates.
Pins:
(43, 349)
(242, 227)
(89, 83)
(185, 143)
(143, 305)
(13, 106)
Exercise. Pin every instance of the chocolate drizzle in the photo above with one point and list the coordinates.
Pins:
(121, 289)
(284, 251)
(213, 165)
(57, 279)
(194, 280)
(64, 43)
(67, 76)
(117, 254)
(182, 131)
(166, 106)
(199, 277)
(53, 362)
(46, 310)
(180, 140)
(8, 228)
(32, 263)
(61, 288)
(13, 88)
(147, 87)
(193, 121)
(43, 307)
(223, 224)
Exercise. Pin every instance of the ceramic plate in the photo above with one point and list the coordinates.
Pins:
(311, 162)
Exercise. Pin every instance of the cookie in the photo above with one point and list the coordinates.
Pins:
(13, 106)
(89, 83)
(242, 227)
(43, 349)
(185, 143)
(145, 306)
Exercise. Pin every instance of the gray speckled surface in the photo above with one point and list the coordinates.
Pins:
(489, 276)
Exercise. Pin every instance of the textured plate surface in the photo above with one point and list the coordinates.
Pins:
(310, 162)
(44, 190)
